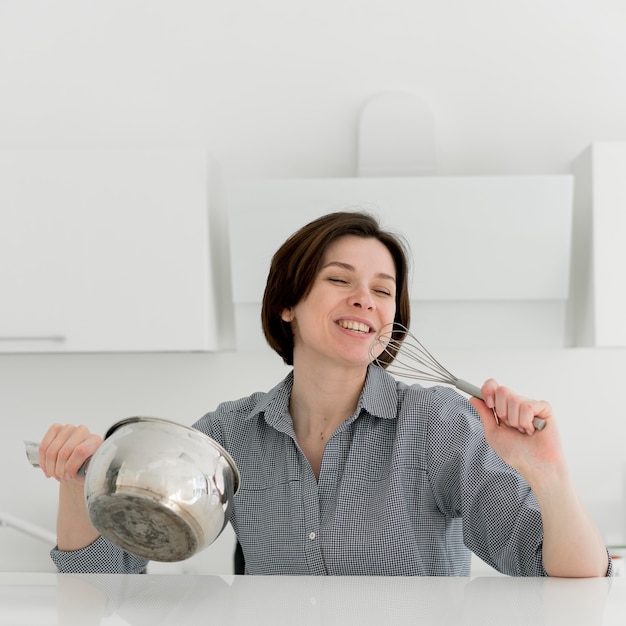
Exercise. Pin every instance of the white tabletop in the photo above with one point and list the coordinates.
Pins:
(120, 600)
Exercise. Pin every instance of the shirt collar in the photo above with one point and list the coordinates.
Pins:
(380, 394)
(378, 398)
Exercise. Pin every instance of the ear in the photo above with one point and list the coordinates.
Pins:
(287, 315)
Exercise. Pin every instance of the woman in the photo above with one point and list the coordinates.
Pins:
(345, 470)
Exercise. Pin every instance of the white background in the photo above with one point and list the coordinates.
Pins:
(274, 89)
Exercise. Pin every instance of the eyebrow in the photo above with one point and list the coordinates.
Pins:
(347, 266)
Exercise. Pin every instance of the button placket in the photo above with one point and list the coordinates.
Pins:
(312, 547)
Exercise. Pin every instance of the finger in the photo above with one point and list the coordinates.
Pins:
(513, 415)
(526, 416)
(60, 452)
(485, 413)
(501, 405)
(47, 449)
(82, 452)
(80, 445)
(488, 391)
(537, 409)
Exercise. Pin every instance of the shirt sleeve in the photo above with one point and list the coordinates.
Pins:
(501, 518)
(100, 557)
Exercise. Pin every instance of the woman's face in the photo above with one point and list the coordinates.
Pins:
(352, 297)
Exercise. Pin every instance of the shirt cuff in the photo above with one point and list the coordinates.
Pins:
(100, 557)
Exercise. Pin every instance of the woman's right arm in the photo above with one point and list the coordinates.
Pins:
(80, 547)
(62, 451)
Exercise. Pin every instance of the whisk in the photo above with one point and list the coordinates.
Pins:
(412, 360)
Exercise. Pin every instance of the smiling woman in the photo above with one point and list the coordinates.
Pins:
(346, 470)
(295, 267)
(350, 300)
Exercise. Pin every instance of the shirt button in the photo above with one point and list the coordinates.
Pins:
(312, 536)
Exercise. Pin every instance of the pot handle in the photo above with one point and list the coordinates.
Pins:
(32, 454)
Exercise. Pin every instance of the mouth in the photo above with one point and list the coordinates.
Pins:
(356, 327)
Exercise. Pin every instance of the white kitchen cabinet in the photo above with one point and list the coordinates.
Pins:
(105, 250)
(598, 304)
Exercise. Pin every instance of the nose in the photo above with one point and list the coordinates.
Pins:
(362, 299)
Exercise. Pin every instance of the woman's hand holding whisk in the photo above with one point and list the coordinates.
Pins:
(512, 409)
(515, 438)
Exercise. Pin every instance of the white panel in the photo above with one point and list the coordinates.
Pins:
(105, 250)
(483, 239)
(580, 319)
(598, 310)
(609, 235)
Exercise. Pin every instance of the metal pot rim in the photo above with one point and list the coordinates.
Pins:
(143, 419)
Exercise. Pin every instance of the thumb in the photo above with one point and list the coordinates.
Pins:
(487, 416)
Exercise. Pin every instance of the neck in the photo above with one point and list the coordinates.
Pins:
(321, 401)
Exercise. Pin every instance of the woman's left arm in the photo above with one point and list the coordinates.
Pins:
(572, 544)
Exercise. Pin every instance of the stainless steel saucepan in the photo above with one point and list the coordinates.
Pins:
(158, 489)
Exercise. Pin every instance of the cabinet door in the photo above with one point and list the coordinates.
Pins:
(513, 230)
(105, 250)
(597, 306)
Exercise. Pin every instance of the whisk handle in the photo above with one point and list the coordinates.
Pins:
(473, 390)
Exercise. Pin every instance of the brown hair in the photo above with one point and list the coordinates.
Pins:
(296, 264)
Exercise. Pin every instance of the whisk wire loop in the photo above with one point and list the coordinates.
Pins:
(410, 359)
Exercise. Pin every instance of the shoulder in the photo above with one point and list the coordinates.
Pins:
(442, 421)
(232, 415)
(230, 412)
(439, 403)
(386, 396)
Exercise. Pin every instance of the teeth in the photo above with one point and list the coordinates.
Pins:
(356, 326)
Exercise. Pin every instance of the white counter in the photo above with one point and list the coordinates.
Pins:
(118, 600)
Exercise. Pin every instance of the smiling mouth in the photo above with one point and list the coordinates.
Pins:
(356, 327)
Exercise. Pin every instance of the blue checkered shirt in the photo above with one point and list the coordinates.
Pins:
(407, 486)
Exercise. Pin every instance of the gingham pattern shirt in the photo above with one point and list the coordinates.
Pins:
(407, 486)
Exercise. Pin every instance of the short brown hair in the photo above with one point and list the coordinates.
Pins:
(296, 264)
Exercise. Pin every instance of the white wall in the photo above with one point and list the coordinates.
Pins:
(275, 89)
